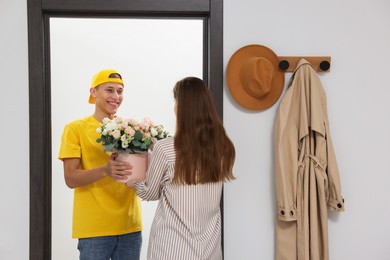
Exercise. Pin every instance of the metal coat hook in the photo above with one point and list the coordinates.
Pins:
(289, 63)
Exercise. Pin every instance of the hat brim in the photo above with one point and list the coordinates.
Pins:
(233, 78)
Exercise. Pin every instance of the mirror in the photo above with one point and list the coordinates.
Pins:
(151, 55)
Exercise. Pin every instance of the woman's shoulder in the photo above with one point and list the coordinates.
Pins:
(164, 144)
(164, 149)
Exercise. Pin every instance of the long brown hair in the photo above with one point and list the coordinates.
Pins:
(204, 152)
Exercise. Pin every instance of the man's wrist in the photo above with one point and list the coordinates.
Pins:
(104, 171)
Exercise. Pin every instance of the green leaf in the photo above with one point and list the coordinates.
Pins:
(136, 143)
(108, 147)
(138, 136)
(144, 146)
(99, 140)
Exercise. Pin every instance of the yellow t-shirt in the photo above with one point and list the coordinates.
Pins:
(105, 207)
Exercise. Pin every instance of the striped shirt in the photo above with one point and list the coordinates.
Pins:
(187, 223)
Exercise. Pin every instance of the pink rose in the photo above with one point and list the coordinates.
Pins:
(116, 134)
(124, 124)
(132, 122)
(143, 126)
(130, 131)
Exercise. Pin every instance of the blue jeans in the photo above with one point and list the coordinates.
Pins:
(121, 247)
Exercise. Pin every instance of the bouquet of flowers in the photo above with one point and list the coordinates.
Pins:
(129, 135)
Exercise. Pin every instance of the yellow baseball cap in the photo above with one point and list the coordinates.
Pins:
(104, 76)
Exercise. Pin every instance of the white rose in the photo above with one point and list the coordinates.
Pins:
(106, 120)
(111, 126)
(125, 144)
(153, 132)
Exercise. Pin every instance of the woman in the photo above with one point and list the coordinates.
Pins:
(186, 176)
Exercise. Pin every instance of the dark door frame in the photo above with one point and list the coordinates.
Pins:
(39, 12)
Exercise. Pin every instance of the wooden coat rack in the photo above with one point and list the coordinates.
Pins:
(289, 63)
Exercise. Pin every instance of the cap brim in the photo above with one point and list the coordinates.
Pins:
(91, 100)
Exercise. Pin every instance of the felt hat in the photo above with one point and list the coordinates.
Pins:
(254, 78)
(104, 76)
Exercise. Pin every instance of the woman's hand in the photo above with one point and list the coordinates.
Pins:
(131, 183)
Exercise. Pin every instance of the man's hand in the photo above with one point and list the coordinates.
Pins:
(118, 170)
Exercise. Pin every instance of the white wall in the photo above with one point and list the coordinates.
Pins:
(14, 134)
(354, 33)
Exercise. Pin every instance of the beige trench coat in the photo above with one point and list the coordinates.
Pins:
(306, 172)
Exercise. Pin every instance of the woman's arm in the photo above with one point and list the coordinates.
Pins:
(150, 188)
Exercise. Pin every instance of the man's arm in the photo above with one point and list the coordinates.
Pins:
(74, 177)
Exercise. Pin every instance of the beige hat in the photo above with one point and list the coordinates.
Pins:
(254, 78)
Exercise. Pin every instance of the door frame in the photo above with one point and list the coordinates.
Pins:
(39, 13)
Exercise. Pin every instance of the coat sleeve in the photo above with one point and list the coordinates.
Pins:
(335, 201)
(286, 166)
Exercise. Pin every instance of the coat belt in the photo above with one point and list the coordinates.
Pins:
(314, 159)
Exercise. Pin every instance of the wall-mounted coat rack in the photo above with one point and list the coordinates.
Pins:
(255, 74)
(289, 63)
